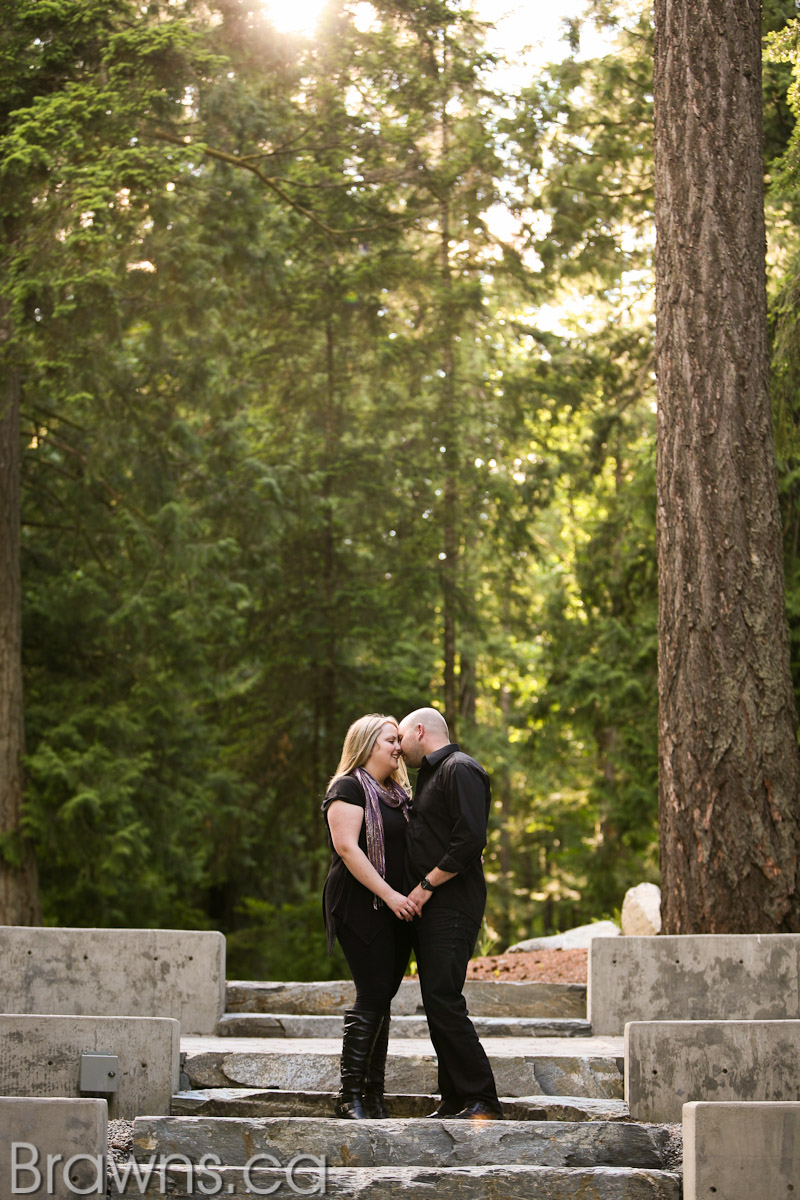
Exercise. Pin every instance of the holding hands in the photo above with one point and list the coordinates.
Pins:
(404, 907)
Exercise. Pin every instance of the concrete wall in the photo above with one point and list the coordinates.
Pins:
(671, 1063)
(114, 972)
(58, 1130)
(40, 1056)
(709, 977)
(734, 1150)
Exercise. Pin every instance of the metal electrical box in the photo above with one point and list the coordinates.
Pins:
(99, 1073)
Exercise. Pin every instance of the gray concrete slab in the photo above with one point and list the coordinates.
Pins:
(522, 1066)
(671, 1063)
(485, 998)
(270, 1102)
(400, 1142)
(736, 1150)
(746, 977)
(281, 1025)
(174, 973)
(52, 1147)
(40, 1056)
(422, 1183)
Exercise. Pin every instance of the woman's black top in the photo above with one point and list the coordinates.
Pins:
(345, 901)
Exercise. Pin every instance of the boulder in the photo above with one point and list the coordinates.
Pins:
(572, 939)
(641, 911)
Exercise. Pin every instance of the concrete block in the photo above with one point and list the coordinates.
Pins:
(704, 977)
(733, 1150)
(40, 1056)
(61, 1143)
(671, 1063)
(174, 973)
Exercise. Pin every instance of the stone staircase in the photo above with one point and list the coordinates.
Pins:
(259, 1097)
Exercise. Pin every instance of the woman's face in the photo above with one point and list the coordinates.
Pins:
(385, 753)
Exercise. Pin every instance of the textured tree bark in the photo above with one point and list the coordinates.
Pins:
(450, 533)
(19, 889)
(729, 766)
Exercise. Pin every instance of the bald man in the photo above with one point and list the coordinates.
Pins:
(444, 874)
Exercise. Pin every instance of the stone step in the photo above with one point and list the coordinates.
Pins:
(282, 1025)
(415, 1183)
(485, 998)
(266, 1102)
(522, 1066)
(399, 1143)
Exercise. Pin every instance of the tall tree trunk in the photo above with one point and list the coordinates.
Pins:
(729, 766)
(467, 688)
(502, 791)
(19, 890)
(450, 540)
(327, 699)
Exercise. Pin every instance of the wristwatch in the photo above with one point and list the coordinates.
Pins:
(426, 885)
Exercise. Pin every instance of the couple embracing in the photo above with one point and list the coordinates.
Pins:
(408, 875)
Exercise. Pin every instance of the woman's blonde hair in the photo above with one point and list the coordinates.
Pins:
(359, 743)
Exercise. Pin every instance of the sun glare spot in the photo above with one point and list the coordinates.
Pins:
(302, 16)
(365, 17)
(294, 16)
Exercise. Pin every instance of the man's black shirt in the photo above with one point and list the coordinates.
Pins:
(449, 819)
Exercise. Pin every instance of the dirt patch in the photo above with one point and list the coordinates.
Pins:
(548, 966)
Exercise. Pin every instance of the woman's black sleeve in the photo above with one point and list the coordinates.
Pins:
(347, 789)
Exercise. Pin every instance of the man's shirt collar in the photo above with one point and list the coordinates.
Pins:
(436, 756)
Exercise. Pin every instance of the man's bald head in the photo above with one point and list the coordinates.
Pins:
(421, 732)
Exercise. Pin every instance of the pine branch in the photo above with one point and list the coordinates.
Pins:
(246, 164)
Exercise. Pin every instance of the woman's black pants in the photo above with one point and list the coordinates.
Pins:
(378, 966)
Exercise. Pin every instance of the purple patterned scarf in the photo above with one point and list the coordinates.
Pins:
(395, 797)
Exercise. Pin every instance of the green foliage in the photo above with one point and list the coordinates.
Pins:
(783, 54)
(285, 941)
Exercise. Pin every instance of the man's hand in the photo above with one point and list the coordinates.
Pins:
(419, 897)
(436, 878)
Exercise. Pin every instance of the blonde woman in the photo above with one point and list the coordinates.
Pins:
(366, 810)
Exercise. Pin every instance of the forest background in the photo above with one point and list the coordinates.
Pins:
(335, 377)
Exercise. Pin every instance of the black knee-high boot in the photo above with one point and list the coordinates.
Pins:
(360, 1029)
(376, 1071)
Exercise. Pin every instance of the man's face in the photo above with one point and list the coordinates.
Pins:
(410, 744)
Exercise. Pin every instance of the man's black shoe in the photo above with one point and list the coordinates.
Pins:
(479, 1111)
(445, 1109)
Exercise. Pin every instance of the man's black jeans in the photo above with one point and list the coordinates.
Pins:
(443, 941)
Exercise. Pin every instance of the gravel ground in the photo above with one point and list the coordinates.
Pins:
(673, 1155)
(120, 1141)
(548, 966)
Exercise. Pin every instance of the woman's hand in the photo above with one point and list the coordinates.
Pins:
(402, 906)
